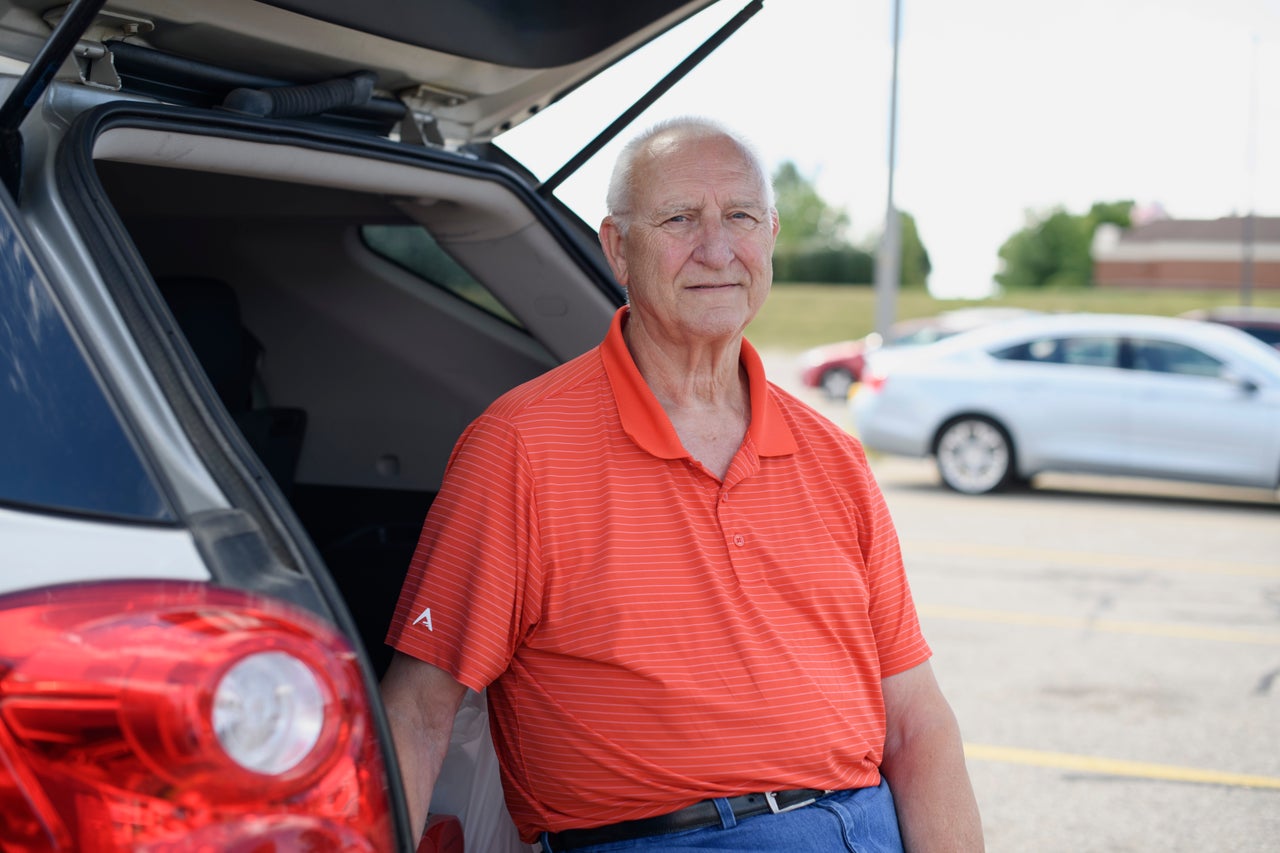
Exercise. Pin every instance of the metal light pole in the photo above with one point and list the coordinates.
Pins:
(889, 258)
(1251, 158)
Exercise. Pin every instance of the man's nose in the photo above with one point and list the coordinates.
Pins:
(715, 248)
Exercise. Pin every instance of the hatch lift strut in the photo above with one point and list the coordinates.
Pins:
(547, 187)
(76, 20)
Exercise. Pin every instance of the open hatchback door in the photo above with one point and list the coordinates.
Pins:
(262, 266)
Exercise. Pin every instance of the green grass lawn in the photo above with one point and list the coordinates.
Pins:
(798, 316)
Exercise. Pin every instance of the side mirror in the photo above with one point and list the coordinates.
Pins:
(1246, 385)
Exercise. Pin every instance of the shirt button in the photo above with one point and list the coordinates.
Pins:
(739, 540)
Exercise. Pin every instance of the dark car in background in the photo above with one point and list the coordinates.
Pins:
(1262, 323)
(836, 367)
(261, 264)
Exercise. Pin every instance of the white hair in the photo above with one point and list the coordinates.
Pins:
(621, 190)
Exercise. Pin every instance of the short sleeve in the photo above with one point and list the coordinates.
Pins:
(899, 639)
(472, 589)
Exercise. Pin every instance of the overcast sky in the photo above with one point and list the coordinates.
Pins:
(1004, 106)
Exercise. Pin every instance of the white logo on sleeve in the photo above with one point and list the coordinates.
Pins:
(425, 616)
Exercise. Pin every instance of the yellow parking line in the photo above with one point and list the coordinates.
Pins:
(1094, 559)
(1115, 767)
(1113, 626)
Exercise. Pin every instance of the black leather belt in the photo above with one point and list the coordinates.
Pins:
(697, 816)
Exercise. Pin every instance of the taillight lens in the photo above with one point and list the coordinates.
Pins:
(873, 382)
(164, 716)
(268, 712)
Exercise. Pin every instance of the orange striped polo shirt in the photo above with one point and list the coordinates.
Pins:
(652, 636)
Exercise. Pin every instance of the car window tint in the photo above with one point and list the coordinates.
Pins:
(1017, 352)
(65, 448)
(1093, 351)
(1169, 357)
(1041, 349)
(413, 247)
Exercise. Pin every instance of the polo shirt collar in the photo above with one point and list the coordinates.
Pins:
(644, 419)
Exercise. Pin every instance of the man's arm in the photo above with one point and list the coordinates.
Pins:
(421, 702)
(924, 763)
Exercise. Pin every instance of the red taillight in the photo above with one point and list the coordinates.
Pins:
(164, 716)
(873, 381)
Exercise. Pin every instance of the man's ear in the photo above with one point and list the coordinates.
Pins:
(611, 240)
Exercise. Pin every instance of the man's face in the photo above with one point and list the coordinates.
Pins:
(697, 257)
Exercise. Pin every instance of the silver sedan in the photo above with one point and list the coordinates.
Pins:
(1108, 394)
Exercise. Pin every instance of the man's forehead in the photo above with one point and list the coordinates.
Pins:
(673, 201)
(684, 174)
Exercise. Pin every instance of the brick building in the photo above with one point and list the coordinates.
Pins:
(1188, 253)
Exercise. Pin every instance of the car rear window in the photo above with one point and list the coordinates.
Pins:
(413, 247)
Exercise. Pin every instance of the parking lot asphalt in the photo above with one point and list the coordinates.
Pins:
(1111, 649)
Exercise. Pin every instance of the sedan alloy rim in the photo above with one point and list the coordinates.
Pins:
(973, 456)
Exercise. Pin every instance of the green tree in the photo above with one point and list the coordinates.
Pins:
(813, 243)
(808, 222)
(1110, 212)
(1053, 249)
(914, 265)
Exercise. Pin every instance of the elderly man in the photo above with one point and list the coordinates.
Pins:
(679, 584)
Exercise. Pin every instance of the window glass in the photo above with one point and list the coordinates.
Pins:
(920, 337)
(1101, 351)
(1017, 352)
(64, 446)
(1169, 357)
(413, 247)
(1096, 352)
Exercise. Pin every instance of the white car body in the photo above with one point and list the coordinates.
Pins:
(1213, 415)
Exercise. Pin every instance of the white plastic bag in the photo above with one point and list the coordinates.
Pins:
(470, 787)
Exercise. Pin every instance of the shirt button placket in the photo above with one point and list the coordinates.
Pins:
(726, 521)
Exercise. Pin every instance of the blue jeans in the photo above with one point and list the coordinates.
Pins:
(858, 821)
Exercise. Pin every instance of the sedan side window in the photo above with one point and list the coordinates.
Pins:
(1095, 352)
(1091, 351)
(1043, 350)
(1169, 357)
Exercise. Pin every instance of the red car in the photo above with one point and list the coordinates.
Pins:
(836, 367)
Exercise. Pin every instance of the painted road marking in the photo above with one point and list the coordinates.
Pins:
(1115, 767)
(1095, 559)
(1111, 626)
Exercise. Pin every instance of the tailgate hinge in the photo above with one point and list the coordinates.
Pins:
(420, 124)
(93, 58)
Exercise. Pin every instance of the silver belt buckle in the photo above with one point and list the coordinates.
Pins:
(776, 809)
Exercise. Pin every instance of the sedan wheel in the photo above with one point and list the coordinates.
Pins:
(974, 456)
(836, 383)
